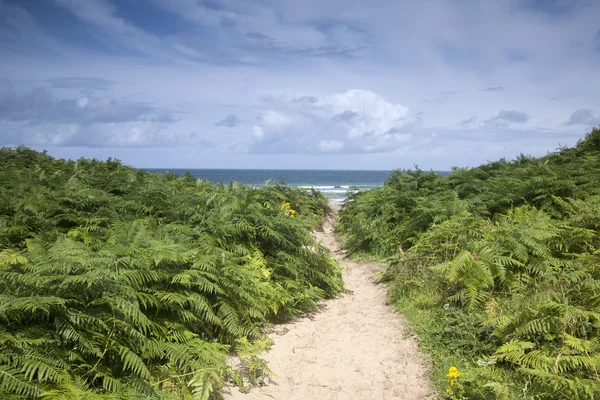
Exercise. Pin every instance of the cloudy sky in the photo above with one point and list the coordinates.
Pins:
(335, 84)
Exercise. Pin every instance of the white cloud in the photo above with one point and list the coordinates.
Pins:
(258, 133)
(372, 114)
(82, 102)
(355, 121)
(275, 119)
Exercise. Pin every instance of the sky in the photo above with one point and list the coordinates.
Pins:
(298, 84)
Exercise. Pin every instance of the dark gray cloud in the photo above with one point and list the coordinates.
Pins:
(305, 100)
(317, 36)
(347, 115)
(404, 129)
(332, 46)
(80, 83)
(507, 117)
(37, 117)
(229, 121)
(468, 121)
(332, 51)
(165, 117)
(494, 89)
(335, 51)
(330, 25)
(40, 106)
(584, 116)
(232, 46)
(451, 92)
(254, 47)
(550, 7)
(258, 36)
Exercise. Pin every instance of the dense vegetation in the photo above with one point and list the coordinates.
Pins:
(118, 283)
(498, 269)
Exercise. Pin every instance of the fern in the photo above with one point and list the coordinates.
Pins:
(505, 260)
(117, 283)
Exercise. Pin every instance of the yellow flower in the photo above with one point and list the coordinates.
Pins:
(453, 373)
(288, 209)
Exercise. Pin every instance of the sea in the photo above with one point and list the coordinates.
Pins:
(335, 184)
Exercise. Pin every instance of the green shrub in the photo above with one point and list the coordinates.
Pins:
(497, 267)
(118, 283)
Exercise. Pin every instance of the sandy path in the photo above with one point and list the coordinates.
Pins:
(353, 349)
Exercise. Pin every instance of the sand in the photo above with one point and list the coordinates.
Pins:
(354, 348)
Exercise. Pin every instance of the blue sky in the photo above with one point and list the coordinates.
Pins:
(331, 84)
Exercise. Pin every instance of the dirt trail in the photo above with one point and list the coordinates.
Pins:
(353, 348)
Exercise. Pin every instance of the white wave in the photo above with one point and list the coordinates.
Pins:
(336, 191)
(338, 188)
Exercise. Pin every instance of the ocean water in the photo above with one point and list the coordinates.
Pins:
(336, 185)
